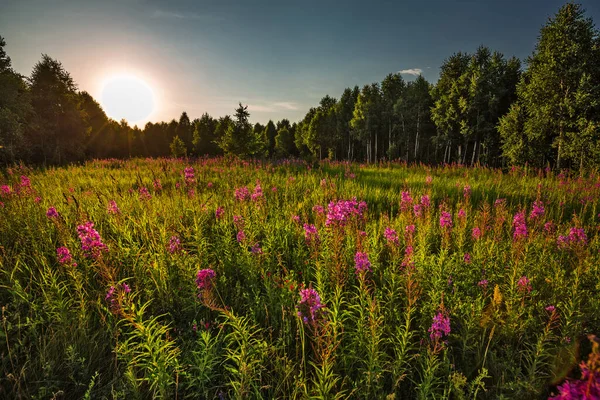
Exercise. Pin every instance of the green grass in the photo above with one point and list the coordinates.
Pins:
(242, 337)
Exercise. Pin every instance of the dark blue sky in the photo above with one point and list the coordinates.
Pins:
(280, 57)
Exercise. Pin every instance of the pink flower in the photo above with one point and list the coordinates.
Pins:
(440, 327)
(242, 193)
(219, 212)
(258, 193)
(445, 220)
(520, 226)
(64, 256)
(52, 213)
(205, 279)
(476, 233)
(144, 193)
(174, 245)
(91, 242)
(537, 210)
(467, 191)
(241, 236)
(311, 235)
(523, 285)
(391, 236)
(341, 212)
(112, 207)
(310, 309)
(361, 263)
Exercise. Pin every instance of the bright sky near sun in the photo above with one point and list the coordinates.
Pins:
(278, 57)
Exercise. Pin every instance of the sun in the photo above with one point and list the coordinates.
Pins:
(127, 97)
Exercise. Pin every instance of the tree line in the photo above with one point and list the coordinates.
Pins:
(484, 109)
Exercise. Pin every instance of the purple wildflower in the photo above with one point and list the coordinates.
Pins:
(476, 233)
(144, 193)
(340, 212)
(550, 308)
(219, 212)
(174, 245)
(52, 213)
(126, 288)
(406, 201)
(258, 193)
(64, 256)
(309, 307)
(425, 201)
(311, 235)
(241, 236)
(537, 210)
(188, 174)
(576, 237)
(524, 285)
(25, 182)
(445, 220)
(483, 283)
(361, 263)
(204, 279)
(391, 236)
(418, 210)
(91, 242)
(242, 193)
(110, 294)
(256, 249)
(440, 327)
(467, 258)
(520, 226)
(112, 208)
(467, 191)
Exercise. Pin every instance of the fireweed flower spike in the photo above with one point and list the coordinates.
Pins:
(362, 263)
(523, 285)
(309, 307)
(64, 256)
(174, 245)
(440, 327)
(445, 220)
(52, 213)
(112, 208)
(391, 236)
(91, 242)
(520, 226)
(311, 235)
(537, 210)
(205, 281)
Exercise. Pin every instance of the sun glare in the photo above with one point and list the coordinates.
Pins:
(127, 97)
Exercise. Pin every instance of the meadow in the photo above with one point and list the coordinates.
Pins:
(220, 278)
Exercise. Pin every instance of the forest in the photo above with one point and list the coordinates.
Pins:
(485, 109)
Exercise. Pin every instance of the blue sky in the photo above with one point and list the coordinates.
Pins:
(279, 57)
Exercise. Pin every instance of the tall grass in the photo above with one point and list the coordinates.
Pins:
(131, 320)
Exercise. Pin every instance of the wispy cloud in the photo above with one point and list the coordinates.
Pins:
(286, 105)
(272, 107)
(411, 71)
(167, 14)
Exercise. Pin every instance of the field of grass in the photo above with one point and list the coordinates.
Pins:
(219, 278)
